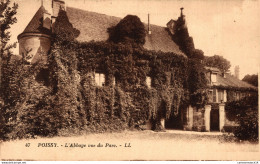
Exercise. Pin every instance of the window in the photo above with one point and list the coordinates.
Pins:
(220, 96)
(214, 95)
(210, 93)
(213, 78)
(100, 79)
(148, 81)
(225, 95)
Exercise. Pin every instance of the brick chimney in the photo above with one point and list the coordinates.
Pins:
(57, 5)
(52, 7)
(237, 71)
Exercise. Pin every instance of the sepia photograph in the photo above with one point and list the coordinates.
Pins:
(129, 80)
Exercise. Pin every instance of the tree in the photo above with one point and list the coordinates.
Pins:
(7, 18)
(129, 30)
(251, 79)
(217, 61)
(197, 54)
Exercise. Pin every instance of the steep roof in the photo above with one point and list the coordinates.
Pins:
(93, 26)
(231, 81)
(35, 25)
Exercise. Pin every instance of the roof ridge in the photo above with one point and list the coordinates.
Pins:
(94, 12)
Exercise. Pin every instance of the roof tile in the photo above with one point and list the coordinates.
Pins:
(93, 26)
(35, 25)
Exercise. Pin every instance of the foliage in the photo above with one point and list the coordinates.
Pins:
(248, 129)
(197, 54)
(197, 83)
(245, 112)
(251, 79)
(129, 30)
(185, 41)
(130, 66)
(71, 102)
(7, 18)
(65, 85)
(35, 115)
(63, 29)
(217, 61)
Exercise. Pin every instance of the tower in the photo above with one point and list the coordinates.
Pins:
(35, 40)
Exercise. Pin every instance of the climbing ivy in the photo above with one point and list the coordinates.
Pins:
(177, 81)
(71, 103)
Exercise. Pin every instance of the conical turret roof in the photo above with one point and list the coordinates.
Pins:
(36, 24)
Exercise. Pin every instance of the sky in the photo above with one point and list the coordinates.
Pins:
(230, 28)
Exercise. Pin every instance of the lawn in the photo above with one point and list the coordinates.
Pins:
(132, 145)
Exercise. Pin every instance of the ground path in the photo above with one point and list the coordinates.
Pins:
(145, 145)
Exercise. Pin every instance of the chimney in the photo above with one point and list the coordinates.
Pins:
(57, 5)
(149, 28)
(237, 72)
(47, 4)
(47, 13)
(181, 11)
(181, 19)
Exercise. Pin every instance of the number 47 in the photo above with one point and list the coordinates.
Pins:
(27, 145)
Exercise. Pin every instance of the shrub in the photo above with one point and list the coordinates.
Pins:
(244, 112)
(129, 29)
(248, 129)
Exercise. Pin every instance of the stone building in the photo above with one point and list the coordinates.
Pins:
(223, 88)
(35, 41)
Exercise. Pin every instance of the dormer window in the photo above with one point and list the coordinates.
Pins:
(213, 78)
(148, 81)
(100, 79)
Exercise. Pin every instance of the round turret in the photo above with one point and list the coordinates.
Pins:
(35, 40)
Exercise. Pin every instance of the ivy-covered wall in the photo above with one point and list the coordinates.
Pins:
(68, 101)
(130, 100)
